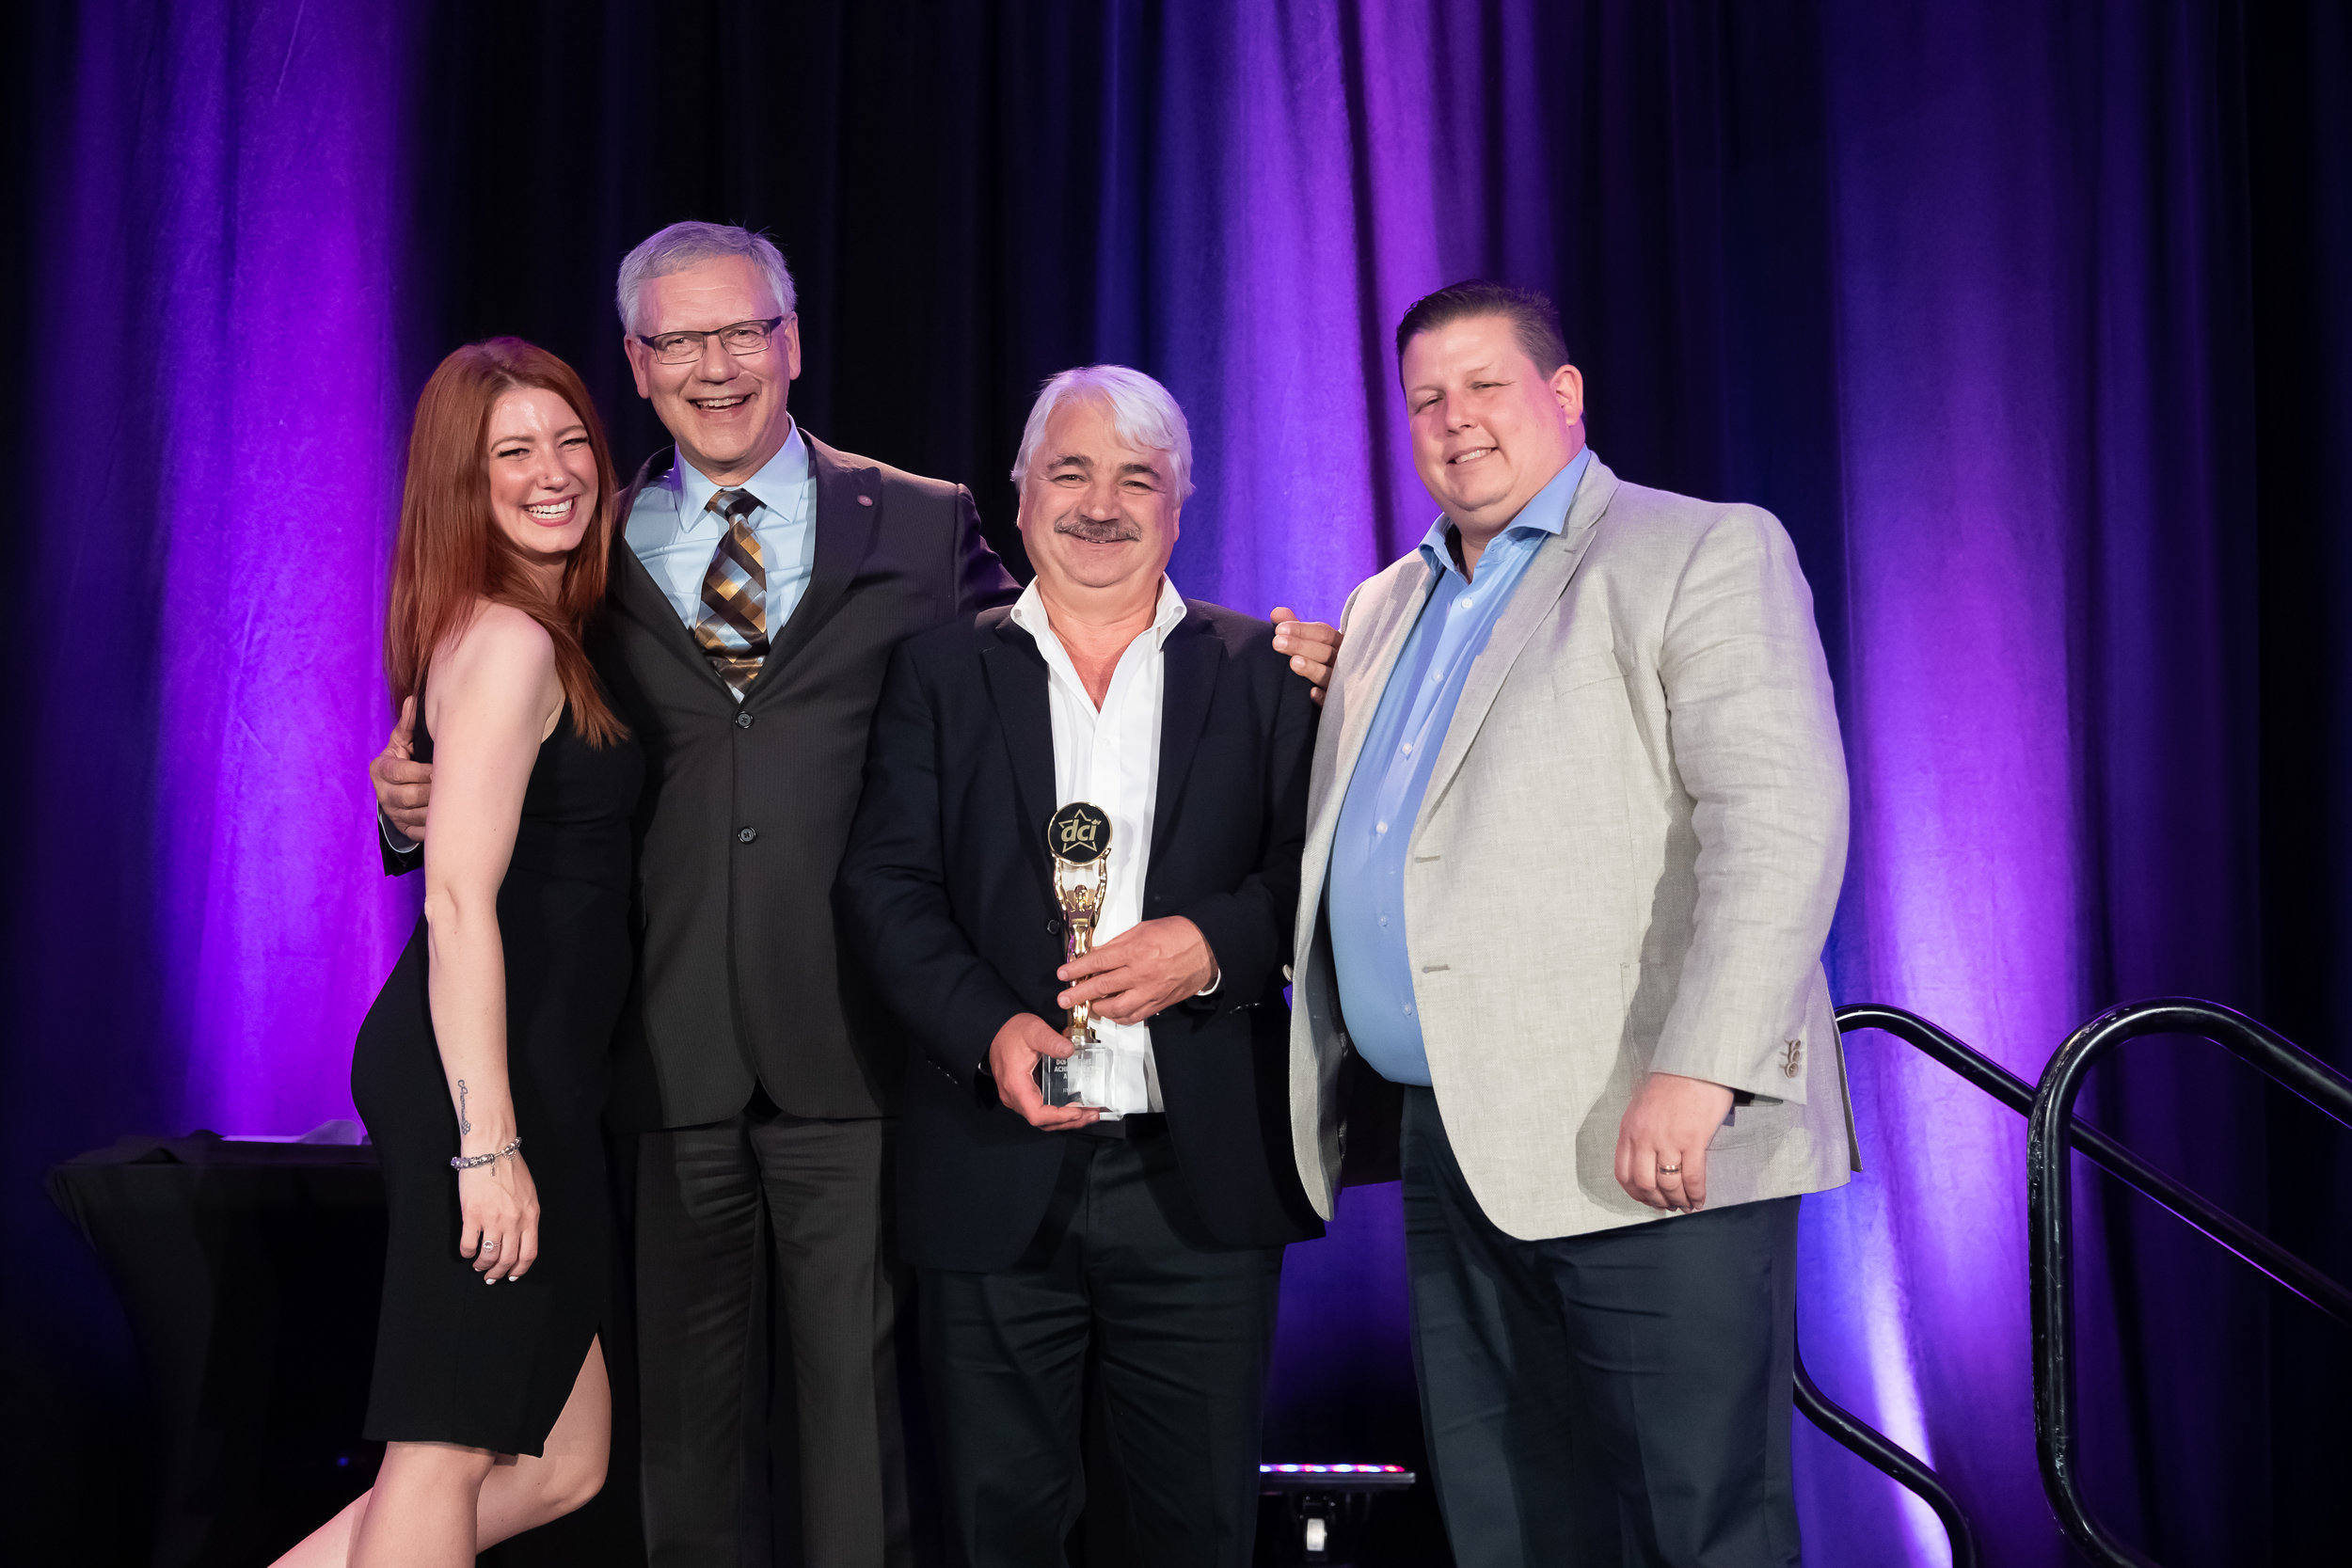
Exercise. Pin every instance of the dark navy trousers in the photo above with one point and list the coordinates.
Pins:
(1608, 1399)
(1120, 1370)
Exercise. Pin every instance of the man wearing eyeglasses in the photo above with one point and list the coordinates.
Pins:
(759, 585)
(764, 580)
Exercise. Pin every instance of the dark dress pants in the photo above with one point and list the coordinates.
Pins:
(819, 1190)
(1124, 1313)
(1605, 1399)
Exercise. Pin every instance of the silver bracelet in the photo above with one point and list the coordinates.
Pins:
(472, 1161)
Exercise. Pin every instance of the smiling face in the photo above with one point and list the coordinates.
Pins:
(725, 411)
(1489, 429)
(543, 476)
(1098, 515)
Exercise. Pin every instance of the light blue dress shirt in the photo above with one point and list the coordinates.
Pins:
(1366, 881)
(675, 534)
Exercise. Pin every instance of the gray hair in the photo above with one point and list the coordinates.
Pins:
(685, 245)
(1142, 412)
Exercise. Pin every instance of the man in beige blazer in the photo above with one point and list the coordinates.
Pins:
(1575, 836)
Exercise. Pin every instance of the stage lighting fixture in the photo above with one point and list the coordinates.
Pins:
(1326, 1502)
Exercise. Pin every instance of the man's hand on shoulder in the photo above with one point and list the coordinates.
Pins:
(1313, 647)
(1012, 1062)
(402, 785)
(1663, 1139)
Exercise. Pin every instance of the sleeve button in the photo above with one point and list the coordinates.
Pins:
(745, 835)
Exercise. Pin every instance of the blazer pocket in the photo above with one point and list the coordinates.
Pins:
(1585, 670)
(1761, 1123)
(1749, 1124)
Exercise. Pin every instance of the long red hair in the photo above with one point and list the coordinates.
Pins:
(451, 553)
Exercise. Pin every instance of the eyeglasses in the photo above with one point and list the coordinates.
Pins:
(743, 338)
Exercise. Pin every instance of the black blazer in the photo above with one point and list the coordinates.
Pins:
(746, 806)
(946, 892)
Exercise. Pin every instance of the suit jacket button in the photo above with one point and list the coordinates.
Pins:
(1052, 927)
(745, 835)
(742, 720)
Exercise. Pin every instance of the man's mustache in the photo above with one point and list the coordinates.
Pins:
(1115, 531)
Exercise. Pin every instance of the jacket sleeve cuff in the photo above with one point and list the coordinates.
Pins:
(1776, 1074)
(402, 854)
(1242, 953)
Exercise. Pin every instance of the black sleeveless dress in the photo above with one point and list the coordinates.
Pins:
(456, 1360)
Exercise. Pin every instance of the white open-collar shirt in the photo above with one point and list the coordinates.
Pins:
(1110, 758)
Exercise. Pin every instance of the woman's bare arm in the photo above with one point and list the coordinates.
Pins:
(491, 699)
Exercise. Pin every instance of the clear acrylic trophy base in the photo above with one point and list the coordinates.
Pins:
(1081, 1078)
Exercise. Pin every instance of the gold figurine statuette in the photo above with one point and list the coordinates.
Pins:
(1078, 836)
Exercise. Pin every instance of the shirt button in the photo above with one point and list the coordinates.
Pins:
(745, 835)
(1468, 600)
(1407, 748)
(1408, 1009)
(1384, 922)
(742, 720)
(1380, 827)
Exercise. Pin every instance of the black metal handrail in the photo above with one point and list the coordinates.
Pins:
(1891, 1458)
(2052, 1131)
(1850, 1430)
(2217, 1224)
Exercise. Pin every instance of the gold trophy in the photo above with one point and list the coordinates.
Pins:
(1078, 837)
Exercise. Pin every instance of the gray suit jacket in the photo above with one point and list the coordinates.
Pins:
(1626, 861)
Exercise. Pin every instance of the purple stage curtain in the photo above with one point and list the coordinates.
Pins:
(2030, 321)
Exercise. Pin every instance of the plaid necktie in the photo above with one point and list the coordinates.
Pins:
(733, 629)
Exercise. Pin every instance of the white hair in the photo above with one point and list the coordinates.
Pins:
(1142, 412)
(685, 245)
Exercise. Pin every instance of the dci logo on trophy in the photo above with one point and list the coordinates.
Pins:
(1078, 837)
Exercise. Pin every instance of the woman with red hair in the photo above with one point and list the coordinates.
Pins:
(481, 1068)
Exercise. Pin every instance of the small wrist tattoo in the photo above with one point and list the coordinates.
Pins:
(463, 1125)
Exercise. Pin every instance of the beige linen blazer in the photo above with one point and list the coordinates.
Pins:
(1627, 859)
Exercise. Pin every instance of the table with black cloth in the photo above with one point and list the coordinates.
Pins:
(251, 1273)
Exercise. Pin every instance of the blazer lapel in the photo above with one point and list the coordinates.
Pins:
(633, 589)
(1384, 632)
(1531, 605)
(1189, 665)
(1016, 676)
(849, 506)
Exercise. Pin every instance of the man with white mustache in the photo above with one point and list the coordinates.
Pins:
(1577, 822)
(761, 581)
(1134, 1240)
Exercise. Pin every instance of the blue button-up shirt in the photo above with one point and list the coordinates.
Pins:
(675, 534)
(1366, 881)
